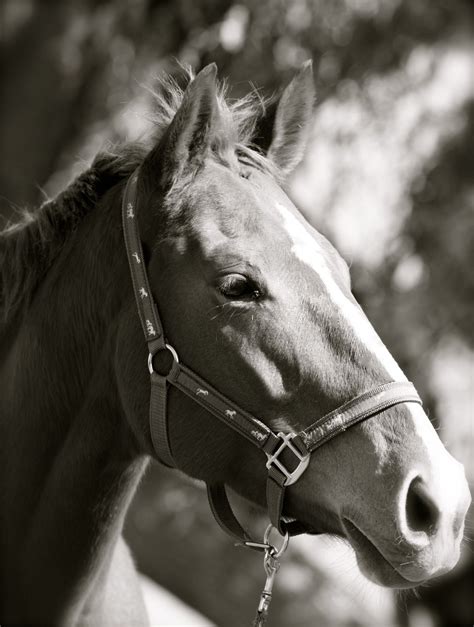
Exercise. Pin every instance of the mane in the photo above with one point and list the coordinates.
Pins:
(29, 246)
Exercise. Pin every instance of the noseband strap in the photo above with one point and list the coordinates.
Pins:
(288, 454)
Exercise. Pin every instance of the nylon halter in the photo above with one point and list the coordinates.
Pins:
(288, 454)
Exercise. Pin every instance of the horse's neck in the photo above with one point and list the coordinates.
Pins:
(70, 467)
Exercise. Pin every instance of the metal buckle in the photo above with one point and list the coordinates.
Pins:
(174, 354)
(291, 477)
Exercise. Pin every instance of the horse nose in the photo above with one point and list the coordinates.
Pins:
(432, 513)
(421, 509)
(433, 507)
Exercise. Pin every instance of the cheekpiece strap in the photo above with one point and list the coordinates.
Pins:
(149, 319)
(147, 310)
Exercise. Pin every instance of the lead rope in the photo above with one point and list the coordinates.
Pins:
(271, 564)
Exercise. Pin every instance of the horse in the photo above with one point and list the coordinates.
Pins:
(253, 299)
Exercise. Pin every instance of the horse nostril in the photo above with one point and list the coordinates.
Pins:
(421, 511)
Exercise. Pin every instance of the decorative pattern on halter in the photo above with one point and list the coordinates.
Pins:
(130, 213)
(150, 329)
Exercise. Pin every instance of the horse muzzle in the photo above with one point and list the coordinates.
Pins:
(425, 531)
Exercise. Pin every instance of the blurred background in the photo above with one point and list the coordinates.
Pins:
(388, 177)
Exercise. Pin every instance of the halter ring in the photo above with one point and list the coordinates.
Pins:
(174, 355)
(274, 552)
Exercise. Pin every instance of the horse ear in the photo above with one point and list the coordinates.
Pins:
(187, 139)
(283, 130)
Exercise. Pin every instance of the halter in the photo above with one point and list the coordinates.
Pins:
(288, 454)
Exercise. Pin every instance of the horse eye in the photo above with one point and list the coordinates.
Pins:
(234, 286)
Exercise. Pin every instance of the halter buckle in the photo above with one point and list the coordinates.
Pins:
(303, 459)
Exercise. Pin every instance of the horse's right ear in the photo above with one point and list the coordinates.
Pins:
(283, 131)
(187, 139)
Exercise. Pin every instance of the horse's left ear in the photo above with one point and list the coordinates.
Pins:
(188, 137)
(283, 130)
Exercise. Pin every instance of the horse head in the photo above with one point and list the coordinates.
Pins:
(259, 303)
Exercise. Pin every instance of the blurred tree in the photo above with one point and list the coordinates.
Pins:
(68, 66)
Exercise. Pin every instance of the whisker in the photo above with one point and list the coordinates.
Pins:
(220, 309)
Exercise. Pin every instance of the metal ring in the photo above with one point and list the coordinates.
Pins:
(274, 551)
(168, 347)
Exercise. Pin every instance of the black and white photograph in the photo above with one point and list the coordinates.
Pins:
(237, 313)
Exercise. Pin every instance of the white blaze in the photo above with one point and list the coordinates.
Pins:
(443, 474)
(306, 249)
